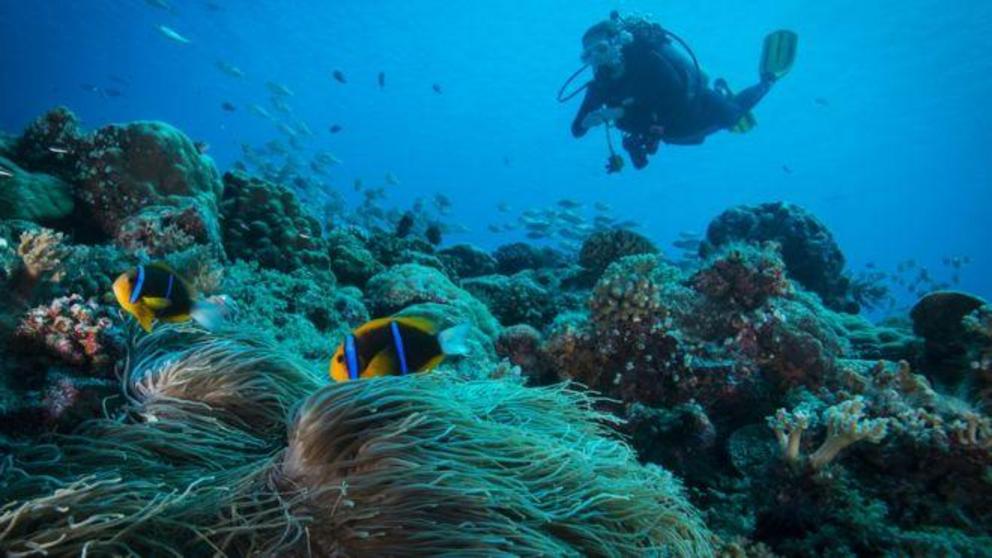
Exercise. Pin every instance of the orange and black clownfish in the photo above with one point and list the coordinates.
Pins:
(396, 346)
(154, 292)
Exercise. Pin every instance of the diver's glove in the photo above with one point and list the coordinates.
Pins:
(603, 115)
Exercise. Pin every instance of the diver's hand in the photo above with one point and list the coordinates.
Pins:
(597, 117)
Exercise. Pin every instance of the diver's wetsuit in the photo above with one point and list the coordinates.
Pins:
(664, 99)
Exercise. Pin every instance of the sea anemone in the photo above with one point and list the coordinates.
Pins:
(426, 466)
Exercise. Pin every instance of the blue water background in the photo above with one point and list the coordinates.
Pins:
(895, 158)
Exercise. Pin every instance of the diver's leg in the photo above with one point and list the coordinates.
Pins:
(746, 99)
(635, 148)
(718, 109)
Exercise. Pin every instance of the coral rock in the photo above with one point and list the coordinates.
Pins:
(404, 285)
(518, 299)
(31, 196)
(518, 256)
(809, 251)
(128, 168)
(466, 260)
(521, 344)
(77, 332)
(264, 222)
(53, 144)
(351, 260)
(742, 276)
(605, 247)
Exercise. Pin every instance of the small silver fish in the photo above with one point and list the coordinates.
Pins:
(58, 150)
(172, 35)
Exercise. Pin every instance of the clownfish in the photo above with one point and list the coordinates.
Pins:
(154, 292)
(396, 347)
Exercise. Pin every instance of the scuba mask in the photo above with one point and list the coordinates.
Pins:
(602, 45)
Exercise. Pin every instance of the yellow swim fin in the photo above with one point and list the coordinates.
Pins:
(778, 54)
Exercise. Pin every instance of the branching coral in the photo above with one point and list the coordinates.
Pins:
(43, 251)
(846, 424)
(789, 428)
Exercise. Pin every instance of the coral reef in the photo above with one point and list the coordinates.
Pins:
(465, 261)
(264, 222)
(75, 331)
(350, 259)
(518, 299)
(521, 346)
(405, 285)
(602, 248)
(518, 256)
(124, 169)
(741, 276)
(52, 144)
(797, 427)
(809, 251)
(303, 311)
(37, 197)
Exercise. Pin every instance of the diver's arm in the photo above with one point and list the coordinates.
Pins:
(592, 101)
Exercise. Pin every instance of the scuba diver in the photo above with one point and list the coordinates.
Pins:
(648, 84)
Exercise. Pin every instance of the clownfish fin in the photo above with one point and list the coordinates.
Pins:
(430, 364)
(454, 340)
(382, 364)
(208, 314)
(156, 303)
(370, 326)
(145, 317)
(418, 323)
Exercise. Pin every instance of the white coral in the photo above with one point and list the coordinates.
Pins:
(42, 251)
(789, 428)
(846, 424)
